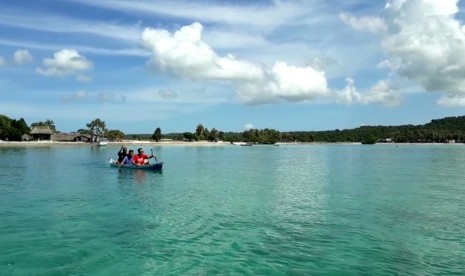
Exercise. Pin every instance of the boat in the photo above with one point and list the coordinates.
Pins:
(150, 166)
(242, 143)
(102, 142)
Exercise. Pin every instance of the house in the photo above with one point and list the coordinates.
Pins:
(41, 133)
(70, 137)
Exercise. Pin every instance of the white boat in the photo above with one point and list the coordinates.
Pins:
(102, 142)
(242, 143)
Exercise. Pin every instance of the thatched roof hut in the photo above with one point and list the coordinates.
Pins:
(41, 133)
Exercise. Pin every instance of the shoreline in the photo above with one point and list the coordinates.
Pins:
(119, 143)
(191, 144)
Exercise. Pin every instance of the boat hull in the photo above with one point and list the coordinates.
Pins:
(150, 167)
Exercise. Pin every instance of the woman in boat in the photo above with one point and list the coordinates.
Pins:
(127, 160)
(121, 154)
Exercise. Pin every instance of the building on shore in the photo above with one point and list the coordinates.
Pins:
(41, 133)
(44, 133)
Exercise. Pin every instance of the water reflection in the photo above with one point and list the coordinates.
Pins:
(139, 176)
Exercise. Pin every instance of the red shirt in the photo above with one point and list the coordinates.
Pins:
(139, 158)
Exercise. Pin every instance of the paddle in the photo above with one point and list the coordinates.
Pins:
(153, 155)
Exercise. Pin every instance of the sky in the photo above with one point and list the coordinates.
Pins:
(299, 65)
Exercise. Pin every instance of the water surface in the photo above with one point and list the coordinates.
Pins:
(260, 210)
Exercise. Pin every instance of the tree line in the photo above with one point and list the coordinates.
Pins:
(437, 131)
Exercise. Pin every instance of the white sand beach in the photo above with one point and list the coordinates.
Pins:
(118, 143)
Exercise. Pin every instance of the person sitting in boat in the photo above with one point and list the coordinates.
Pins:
(140, 158)
(123, 152)
(127, 160)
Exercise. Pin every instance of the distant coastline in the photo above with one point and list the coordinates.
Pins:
(143, 143)
(118, 143)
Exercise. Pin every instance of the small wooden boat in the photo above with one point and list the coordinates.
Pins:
(150, 166)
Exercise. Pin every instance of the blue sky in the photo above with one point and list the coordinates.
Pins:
(231, 65)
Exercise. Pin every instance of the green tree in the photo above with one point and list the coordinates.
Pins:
(18, 129)
(5, 124)
(83, 131)
(47, 122)
(200, 132)
(156, 134)
(12, 129)
(97, 128)
(189, 136)
(115, 135)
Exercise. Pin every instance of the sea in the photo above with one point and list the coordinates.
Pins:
(313, 209)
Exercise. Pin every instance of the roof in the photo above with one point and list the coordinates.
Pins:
(41, 130)
(69, 136)
(63, 137)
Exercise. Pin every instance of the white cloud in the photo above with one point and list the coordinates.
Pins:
(452, 101)
(248, 126)
(284, 82)
(366, 23)
(64, 62)
(424, 43)
(22, 57)
(382, 93)
(425, 7)
(349, 94)
(185, 54)
(2, 62)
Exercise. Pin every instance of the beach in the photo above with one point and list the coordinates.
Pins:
(118, 143)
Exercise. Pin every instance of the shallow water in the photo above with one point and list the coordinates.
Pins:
(260, 210)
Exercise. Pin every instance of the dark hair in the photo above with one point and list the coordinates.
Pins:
(139, 149)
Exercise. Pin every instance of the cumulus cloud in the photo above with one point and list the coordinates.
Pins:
(64, 62)
(185, 54)
(284, 82)
(382, 93)
(22, 57)
(424, 43)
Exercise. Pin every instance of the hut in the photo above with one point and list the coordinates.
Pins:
(41, 133)
(70, 137)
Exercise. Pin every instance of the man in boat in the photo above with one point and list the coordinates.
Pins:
(140, 158)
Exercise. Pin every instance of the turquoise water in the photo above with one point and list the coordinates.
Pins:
(260, 210)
